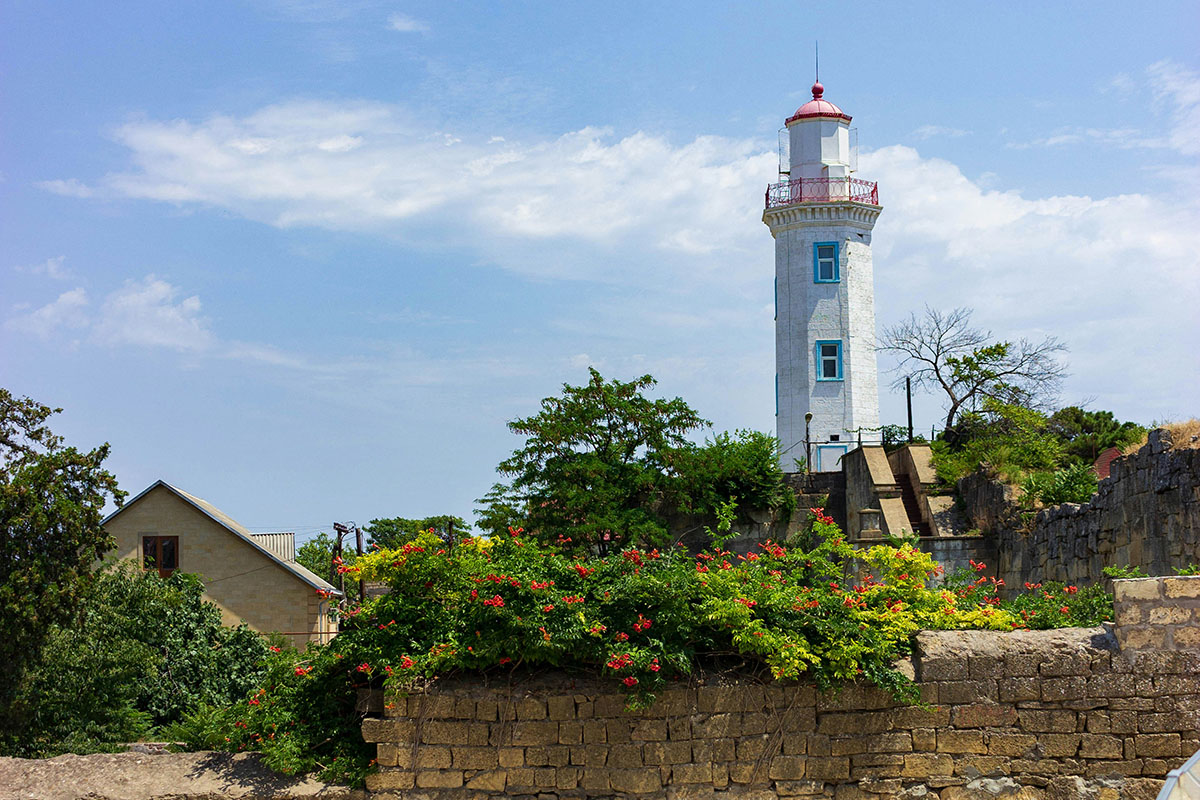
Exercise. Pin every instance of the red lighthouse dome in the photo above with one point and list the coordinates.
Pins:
(818, 107)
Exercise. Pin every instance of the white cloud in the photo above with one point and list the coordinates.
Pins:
(369, 166)
(67, 188)
(930, 131)
(64, 313)
(146, 313)
(406, 24)
(1173, 88)
(1179, 89)
(1112, 276)
(1115, 277)
(51, 268)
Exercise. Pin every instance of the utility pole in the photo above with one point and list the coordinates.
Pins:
(358, 546)
(341, 530)
(908, 396)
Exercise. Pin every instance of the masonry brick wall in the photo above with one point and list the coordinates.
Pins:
(1054, 714)
(1145, 514)
(1157, 613)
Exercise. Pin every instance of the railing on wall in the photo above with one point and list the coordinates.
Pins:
(822, 190)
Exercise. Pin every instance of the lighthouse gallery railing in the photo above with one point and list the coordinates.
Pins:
(822, 190)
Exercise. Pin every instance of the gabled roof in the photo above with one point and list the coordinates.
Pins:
(234, 527)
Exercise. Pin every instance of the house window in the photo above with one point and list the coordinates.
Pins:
(825, 262)
(161, 553)
(829, 360)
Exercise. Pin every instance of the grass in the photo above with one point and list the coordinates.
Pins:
(1184, 436)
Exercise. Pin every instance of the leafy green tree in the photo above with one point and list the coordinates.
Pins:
(499, 510)
(316, 555)
(941, 351)
(1011, 439)
(52, 499)
(597, 462)
(394, 532)
(1087, 434)
(141, 652)
(742, 465)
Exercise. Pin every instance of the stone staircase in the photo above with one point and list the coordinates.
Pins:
(912, 506)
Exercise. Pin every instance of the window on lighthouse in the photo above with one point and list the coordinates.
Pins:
(829, 360)
(825, 262)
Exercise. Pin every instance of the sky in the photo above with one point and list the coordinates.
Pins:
(306, 259)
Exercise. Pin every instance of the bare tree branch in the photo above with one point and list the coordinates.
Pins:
(941, 350)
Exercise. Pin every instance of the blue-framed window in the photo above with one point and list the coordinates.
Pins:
(825, 262)
(829, 457)
(829, 359)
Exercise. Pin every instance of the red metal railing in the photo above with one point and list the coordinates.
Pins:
(822, 190)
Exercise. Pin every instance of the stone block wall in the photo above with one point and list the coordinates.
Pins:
(1157, 613)
(1145, 514)
(1027, 714)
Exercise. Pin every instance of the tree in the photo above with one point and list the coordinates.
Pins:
(597, 461)
(143, 650)
(742, 466)
(316, 556)
(1087, 434)
(394, 532)
(942, 350)
(51, 505)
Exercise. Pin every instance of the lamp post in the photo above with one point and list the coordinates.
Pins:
(807, 444)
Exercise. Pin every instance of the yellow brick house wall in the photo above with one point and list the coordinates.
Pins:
(246, 585)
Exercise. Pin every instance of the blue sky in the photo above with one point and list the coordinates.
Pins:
(305, 259)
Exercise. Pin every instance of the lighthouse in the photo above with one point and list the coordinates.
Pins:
(821, 217)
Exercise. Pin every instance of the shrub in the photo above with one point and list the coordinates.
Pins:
(743, 465)
(1074, 484)
(1037, 606)
(142, 652)
(302, 717)
(644, 616)
(1011, 439)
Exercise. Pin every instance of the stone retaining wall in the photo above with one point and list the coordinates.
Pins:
(1157, 613)
(1054, 714)
(1145, 514)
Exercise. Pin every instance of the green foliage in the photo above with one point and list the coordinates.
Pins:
(1074, 484)
(1057, 605)
(1038, 606)
(142, 652)
(316, 555)
(644, 616)
(1119, 573)
(1011, 439)
(595, 463)
(641, 617)
(1190, 569)
(742, 466)
(1087, 434)
(895, 436)
(302, 716)
(51, 503)
(394, 532)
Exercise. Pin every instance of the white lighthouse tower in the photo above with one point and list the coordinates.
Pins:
(821, 218)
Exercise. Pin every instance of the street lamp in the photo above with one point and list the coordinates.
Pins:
(807, 443)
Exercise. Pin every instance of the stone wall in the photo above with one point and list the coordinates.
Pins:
(1145, 514)
(1157, 613)
(1027, 714)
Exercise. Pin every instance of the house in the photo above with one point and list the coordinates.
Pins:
(252, 578)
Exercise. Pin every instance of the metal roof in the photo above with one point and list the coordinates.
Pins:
(236, 528)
